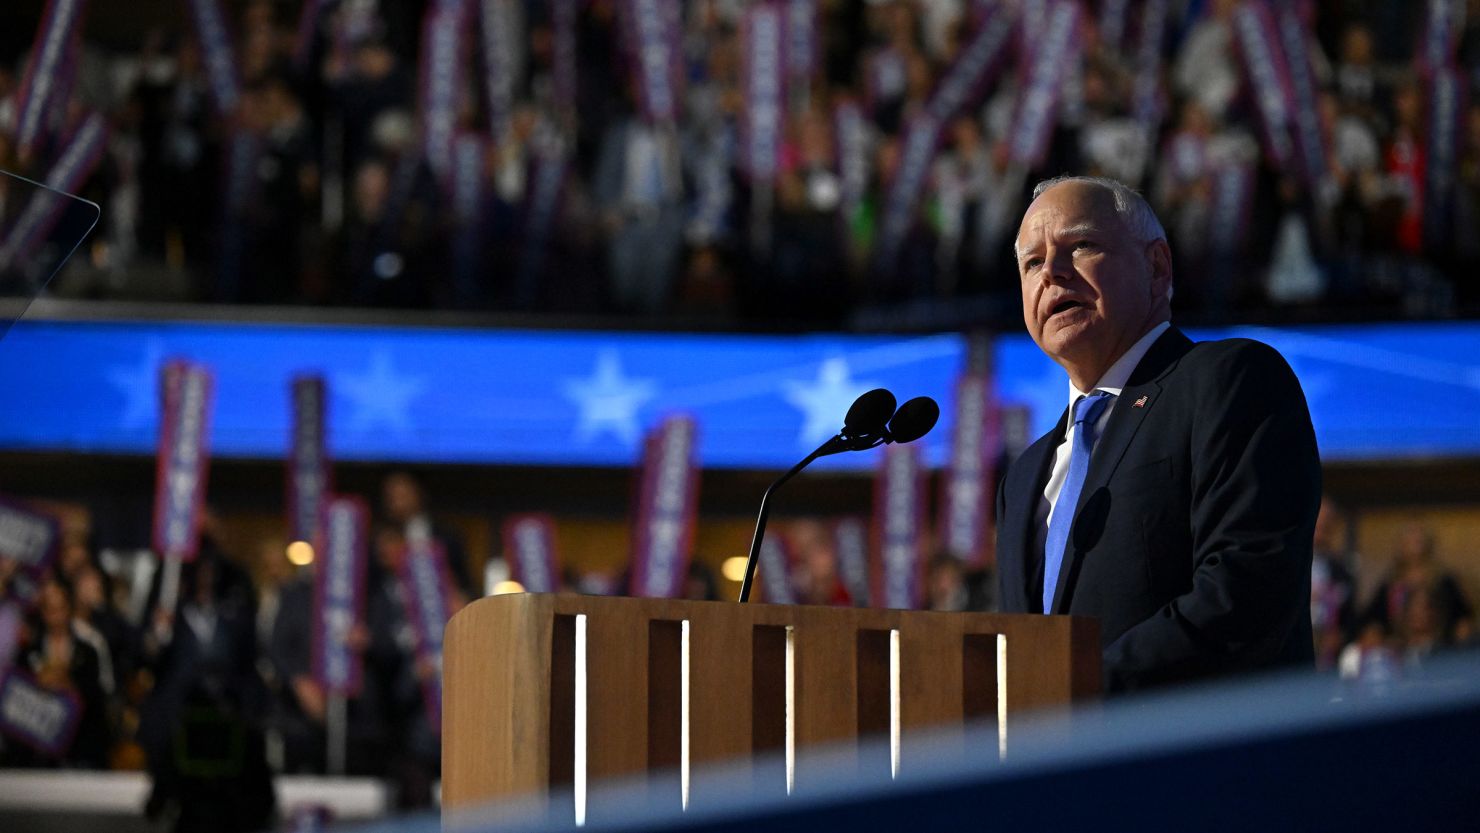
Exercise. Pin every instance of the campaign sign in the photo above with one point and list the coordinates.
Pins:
(1310, 139)
(1268, 77)
(339, 595)
(309, 474)
(775, 567)
(851, 137)
(428, 585)
(529, 546)
(899, 508)
(180, 483)
(668, 500)
(81, 152)
(441, 84)
(498, 24)
(850, 542)
(42, 719)
(42, 80)
(1146, 101)
(27, 537)
(921, 137)
(1055, 51)
(765, 83)
(801, 41)
(1443, 26)
(961, 84)
(653, 35)
(215, 48)
(974, 67)
(965, 517)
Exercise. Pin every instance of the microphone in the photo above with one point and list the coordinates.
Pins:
(869, 412)
(871, 421)
(864, 426)
(913, 420)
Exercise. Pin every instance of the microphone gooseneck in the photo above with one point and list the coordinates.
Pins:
(871, 421)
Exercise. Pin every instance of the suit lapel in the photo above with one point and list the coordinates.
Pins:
(1143, 387)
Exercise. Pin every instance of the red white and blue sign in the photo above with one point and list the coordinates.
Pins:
(183, 458)
(339, 595)
(42, 719)
(309, 475)
(27, 537)
(427, 582)
(667, 510)
(899, 514)
(529, 547)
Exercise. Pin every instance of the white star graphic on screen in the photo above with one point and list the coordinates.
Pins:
(825, 400)
(608, 400)
(380, 396)
(139, 384)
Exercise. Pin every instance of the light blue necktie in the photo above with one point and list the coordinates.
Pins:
(1086, 415)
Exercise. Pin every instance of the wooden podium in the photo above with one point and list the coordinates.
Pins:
(543, 692)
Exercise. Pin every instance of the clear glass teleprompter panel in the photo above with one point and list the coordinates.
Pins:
(40, 228)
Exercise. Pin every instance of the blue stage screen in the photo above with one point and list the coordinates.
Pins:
(565, 398)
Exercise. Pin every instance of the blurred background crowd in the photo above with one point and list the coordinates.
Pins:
(310, 177)
(234, 659)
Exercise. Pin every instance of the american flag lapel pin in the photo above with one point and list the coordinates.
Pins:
(1141, 403)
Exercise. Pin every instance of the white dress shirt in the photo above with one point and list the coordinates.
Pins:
(1113, 382)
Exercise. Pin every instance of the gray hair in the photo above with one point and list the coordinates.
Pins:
(1131, 207)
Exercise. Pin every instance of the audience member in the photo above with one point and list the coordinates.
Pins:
(1445, 611)
(62, 659)
(404, 505)
(1333, 591)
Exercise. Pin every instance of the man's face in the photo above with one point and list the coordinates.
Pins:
(1090, 288)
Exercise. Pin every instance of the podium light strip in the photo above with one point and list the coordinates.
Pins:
(791, 710)
(579, 776)
(894, 703)
(1001, 696)
(683, 718)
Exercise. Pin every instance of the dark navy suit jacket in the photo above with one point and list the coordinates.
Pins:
(1192, 539)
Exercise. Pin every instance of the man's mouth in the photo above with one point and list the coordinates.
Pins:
(1064, 306)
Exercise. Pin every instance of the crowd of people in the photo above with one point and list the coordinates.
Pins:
(316, 187)
(213, 698)
(215, 693)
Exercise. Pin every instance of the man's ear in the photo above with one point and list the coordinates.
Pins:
(1159, 254)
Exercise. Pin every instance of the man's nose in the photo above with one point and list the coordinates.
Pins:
(1058, 264)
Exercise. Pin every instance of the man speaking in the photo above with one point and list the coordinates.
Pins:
(1175, 501)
